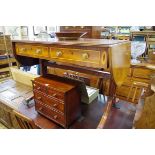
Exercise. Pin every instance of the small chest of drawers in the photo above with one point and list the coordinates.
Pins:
(57, 100)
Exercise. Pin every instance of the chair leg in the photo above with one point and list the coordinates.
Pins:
(130, 92)
(134, 95)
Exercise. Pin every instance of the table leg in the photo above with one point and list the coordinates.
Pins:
(112, 93)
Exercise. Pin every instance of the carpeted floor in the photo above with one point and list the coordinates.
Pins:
(2, 126)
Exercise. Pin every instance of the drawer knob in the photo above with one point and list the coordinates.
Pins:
(85, 56)
(65, 74)
(23, 49)
(58, 53)
(38, 51)
(39, 98)
(54, 95)
(38, 88)
(54, 105)
(40, 109)
(55, 117)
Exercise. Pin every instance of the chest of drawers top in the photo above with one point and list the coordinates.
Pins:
(42, 83)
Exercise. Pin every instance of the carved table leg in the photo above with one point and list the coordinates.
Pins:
(112, 92)
(101, 87)
(43, 68)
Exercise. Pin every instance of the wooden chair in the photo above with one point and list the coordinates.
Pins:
(145, 113)
(24, 122)
(136, 90)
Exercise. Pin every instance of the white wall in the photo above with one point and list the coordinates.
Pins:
(16, 30)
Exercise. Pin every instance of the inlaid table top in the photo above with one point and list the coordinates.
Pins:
(79, 42)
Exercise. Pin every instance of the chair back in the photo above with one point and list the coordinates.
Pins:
(135, 91)
(23, 121)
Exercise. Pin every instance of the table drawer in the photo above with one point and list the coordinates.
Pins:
(40, 51)
(49, 112)
(23, 49)
(76, 56)
(91, 80)
(57, 104)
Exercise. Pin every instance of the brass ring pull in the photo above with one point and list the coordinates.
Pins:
(38, 51)
(58, 53)
(85, 56)
(23, 49)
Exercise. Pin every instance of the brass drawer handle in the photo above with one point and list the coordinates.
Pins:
(38, 51)
(41, 108)
(39, 98)
(55, 117)
(54, 105)
(85, 56)
(38, 88)
(22, 50)
(54, 95)
(58, 53)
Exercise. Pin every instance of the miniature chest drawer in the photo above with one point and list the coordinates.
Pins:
(52, 102)
(46, 89)
(58, 100)
(39, 86)
(50, 113)
(55, 93)
(81, 57)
